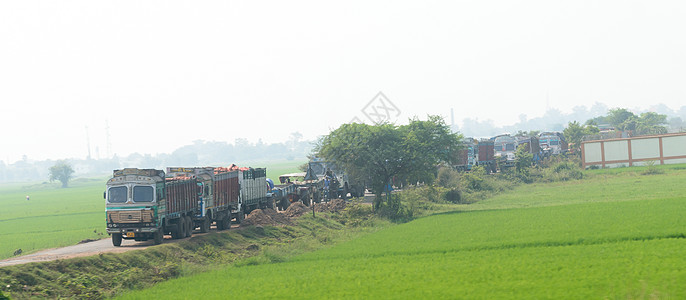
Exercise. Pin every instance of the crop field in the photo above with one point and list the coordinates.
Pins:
(53, 217)
(615, 234)
(278, 168)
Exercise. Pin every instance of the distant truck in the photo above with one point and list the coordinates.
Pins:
(531, 145)
(505, 147)
(468, 155)
(486, 155)
(552, 143)
(293, 188)
(334, 179)
(476, 153)
(282, 194)
(142, 204)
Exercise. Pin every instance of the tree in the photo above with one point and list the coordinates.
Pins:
(651, 123)
(532, 133)
(618, 118)
(524, 160)
(379, 153)
(61, 171)
(575, 132)
(646, 123)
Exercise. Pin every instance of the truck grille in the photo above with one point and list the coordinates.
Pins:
(130, 216)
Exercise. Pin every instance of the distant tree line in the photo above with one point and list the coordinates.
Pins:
(555, 120)
(199, 153)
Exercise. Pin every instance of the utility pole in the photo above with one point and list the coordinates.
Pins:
(107, 138)
(88, 143)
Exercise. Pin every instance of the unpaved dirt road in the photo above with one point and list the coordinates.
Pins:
(86, 249)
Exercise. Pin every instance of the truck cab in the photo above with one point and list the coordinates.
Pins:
(133, 204)
(505, 147)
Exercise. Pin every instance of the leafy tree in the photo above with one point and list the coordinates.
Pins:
(575, 132)
(523, 160)
(61, 171)
(646, 123)
(532, 133)
(651, 123)
(618, 117)
(383, 152)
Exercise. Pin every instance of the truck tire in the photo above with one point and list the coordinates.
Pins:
(189, 226)
(220, 224)
(116, 239)
(284, 203)
(177, 230)
(205, 227)
(240, 217)
(158, 237)
(183, 227)
(226, 223)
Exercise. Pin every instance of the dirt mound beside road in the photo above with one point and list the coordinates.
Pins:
(265, 216)
(296, 209)
(271, 217)
(334, 206)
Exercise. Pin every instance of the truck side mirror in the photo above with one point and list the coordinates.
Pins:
(104, 195)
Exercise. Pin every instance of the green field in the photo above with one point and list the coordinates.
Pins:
(56, 217)
(615, 234)
(53, 217)
(276, 169)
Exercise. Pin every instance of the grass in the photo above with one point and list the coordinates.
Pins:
(53, 217)
(615, 234)
(608, 185)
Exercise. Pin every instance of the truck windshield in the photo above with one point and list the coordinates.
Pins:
(142, 194)
(117, 194)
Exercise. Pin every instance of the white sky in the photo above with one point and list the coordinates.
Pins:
(166, 73)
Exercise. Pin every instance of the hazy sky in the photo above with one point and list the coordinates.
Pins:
(165, 73)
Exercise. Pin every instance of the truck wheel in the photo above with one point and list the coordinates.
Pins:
(220, 224)
(189, 226)
(158, 236)
(116, 239)
(227, 223)
(182, 227)
(285, 203)
(176, 231)
(205, 227)
(240, 217)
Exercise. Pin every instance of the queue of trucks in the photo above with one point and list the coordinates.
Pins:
(146, 204)
(499, 152)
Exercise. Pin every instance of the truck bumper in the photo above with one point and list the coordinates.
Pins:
(134, 230)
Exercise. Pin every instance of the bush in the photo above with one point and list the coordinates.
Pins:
(393, 210)
(651, 169)
(453, 195)
(448, 177)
